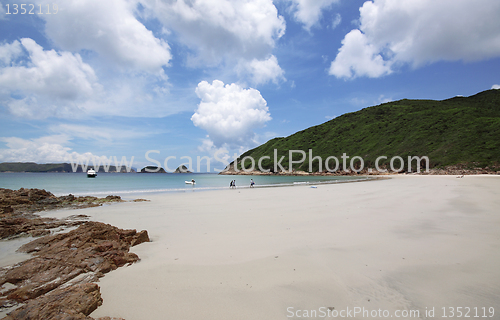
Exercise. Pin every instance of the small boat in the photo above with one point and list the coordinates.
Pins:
(91, 173)
(190, 182)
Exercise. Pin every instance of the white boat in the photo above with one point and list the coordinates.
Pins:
(190, 182)
(91, 173)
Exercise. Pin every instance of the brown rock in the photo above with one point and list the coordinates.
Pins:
(16, 202)
(76, 257)
(140, 238)
(11, 227)
(74, 302)
(113, 198)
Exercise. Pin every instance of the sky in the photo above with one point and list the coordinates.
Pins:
(164, 80)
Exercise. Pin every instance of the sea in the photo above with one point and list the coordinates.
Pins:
(129, 185)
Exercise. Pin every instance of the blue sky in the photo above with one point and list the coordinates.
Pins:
(192, 78)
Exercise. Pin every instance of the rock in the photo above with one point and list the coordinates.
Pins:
(39, 232)
(182, 169)
(14, 227)
(22, 201)
(78, 256)
(57, 282)
(113, 198)
(67, 198)
(74, 302)
(152, 169)
(140, 238)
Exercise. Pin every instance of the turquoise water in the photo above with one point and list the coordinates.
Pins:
(124, 184)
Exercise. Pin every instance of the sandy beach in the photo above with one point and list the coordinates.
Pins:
(409, 243)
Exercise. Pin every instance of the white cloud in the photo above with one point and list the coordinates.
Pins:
(309, 12)
(383, 99)
(233, 34)
(336, 21)
(230, 113)
(106, 63)
(262, 71)
(8, 52)
(358, 57)
(495, 86)
(56, 74)
(101, 134)
(42, 150)
(58, 77)
(418, 32)
(222, 28)
(37, 83)
(110, 29)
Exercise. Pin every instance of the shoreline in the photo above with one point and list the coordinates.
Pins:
(451, 170)
(137, 187)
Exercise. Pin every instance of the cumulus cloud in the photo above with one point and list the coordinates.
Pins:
(230, 33)
(58, 74)
(262, 71)
(110, 29)
(8, 52)
(495, 86)
(418, 32)
(358, 57)
(38, 83)
(309, 12)
(43, 150)
(230, 113)
(222, 28)
(45, 75)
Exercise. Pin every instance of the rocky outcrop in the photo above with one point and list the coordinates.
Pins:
(58, 279)
(22, 201)
(36, 226)
(152, 169)
(182, 169)
(464, 169)
(74, 302)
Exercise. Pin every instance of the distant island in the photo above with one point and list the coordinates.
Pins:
(461, 133)
(152, 169)
(55, 167)
(182, 169)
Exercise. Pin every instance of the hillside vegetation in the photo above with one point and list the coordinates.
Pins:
(460, 130)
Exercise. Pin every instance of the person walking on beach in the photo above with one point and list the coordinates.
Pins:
(234, 184)
(251, 183)
(231, 184)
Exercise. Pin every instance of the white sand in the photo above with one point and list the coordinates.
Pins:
(408, 243)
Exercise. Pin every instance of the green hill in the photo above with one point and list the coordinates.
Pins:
(460, 130)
